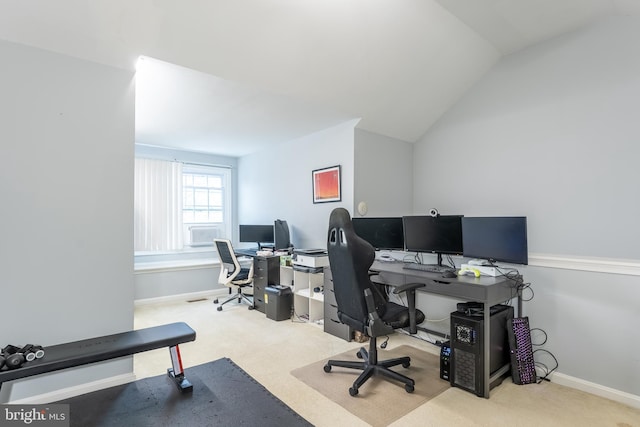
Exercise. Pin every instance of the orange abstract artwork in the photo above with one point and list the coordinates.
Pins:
(326, 185)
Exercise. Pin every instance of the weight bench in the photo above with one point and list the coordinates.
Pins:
(77, 353)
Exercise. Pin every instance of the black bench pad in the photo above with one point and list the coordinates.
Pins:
(63, 356)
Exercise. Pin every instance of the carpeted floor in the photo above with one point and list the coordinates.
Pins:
(223, 395)
(379, 402)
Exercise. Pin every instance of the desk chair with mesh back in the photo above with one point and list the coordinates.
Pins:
(362, 306)
(232, 274)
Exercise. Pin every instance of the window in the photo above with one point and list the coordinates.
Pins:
(206, 211)
(180, 205)
(202, 196)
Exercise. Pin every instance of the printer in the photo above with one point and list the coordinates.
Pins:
(310, 259)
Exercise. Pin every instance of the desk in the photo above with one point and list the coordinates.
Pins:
(484, 289)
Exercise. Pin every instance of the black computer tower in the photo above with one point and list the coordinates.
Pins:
(467, 347)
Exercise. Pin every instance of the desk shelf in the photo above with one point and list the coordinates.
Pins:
(306, 302)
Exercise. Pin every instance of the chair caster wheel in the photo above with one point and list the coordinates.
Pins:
(406, 364)
(408, 388)
(219, 308)
(327, 368)
(251, 307)
(359, 355)
(215, 301)
(353, 391)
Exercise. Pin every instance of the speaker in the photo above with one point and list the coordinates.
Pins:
(467, 347)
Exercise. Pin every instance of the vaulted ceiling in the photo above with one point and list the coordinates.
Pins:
(245, 73)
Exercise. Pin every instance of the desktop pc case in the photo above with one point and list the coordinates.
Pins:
(466, 362)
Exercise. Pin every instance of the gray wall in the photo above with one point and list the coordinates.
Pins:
(66, 253)
(276, 183)
(151, 284)
(383, 175)
(552, 133)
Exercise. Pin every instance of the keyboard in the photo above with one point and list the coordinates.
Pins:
(429, 268)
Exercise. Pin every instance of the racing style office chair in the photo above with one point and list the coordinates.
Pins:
(232, 274)
(362, 306)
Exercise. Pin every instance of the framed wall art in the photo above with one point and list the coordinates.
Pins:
(326, 185)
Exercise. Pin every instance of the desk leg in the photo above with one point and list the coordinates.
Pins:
(519, 314)
(487, 348)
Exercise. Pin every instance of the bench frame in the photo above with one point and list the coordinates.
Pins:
(99, 349)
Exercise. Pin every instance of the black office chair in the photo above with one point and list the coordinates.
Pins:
(232, 274)
(362, 306)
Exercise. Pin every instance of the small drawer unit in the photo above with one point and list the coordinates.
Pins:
(266, 271)
(332, 324)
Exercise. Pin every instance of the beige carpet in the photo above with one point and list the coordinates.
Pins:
(379, 402)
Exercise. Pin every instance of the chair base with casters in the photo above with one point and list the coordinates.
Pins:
(241, 297)
(371, 366)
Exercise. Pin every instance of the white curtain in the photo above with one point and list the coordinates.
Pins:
(158, 205)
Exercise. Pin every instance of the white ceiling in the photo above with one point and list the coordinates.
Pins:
(269, 71)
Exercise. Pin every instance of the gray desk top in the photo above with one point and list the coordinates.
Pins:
(486, 289)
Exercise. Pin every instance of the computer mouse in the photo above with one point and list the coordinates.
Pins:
(449, 274)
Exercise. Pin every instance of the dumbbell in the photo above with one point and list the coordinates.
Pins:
(14, 357)
(32, 352)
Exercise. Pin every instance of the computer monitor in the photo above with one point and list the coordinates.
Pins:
(385, 233)
(256, 234)
(496, 238)
(281, 234)
(433, 234)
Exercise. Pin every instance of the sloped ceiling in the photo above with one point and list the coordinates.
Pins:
(247, 73)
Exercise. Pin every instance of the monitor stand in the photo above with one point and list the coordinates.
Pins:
(439, 262)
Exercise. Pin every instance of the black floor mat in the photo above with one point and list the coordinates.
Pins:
(223, 395)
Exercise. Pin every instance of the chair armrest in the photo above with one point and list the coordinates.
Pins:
(375, 327)
(410, 290)
(407, 287)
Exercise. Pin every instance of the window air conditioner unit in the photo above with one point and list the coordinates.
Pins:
(203, 235)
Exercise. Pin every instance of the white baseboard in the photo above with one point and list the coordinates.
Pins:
(183, 297)
(77, 390)
(596, 389)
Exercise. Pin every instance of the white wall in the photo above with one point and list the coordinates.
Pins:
(552, 133)
(66, 253)
(383, 175)
(276, 183)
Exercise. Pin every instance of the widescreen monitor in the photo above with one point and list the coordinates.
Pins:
(256, 233)
(383, 233)
(496, 238)
(433, 234)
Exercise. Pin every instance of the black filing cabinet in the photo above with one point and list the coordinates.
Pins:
(266, 271)
(332, 324)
